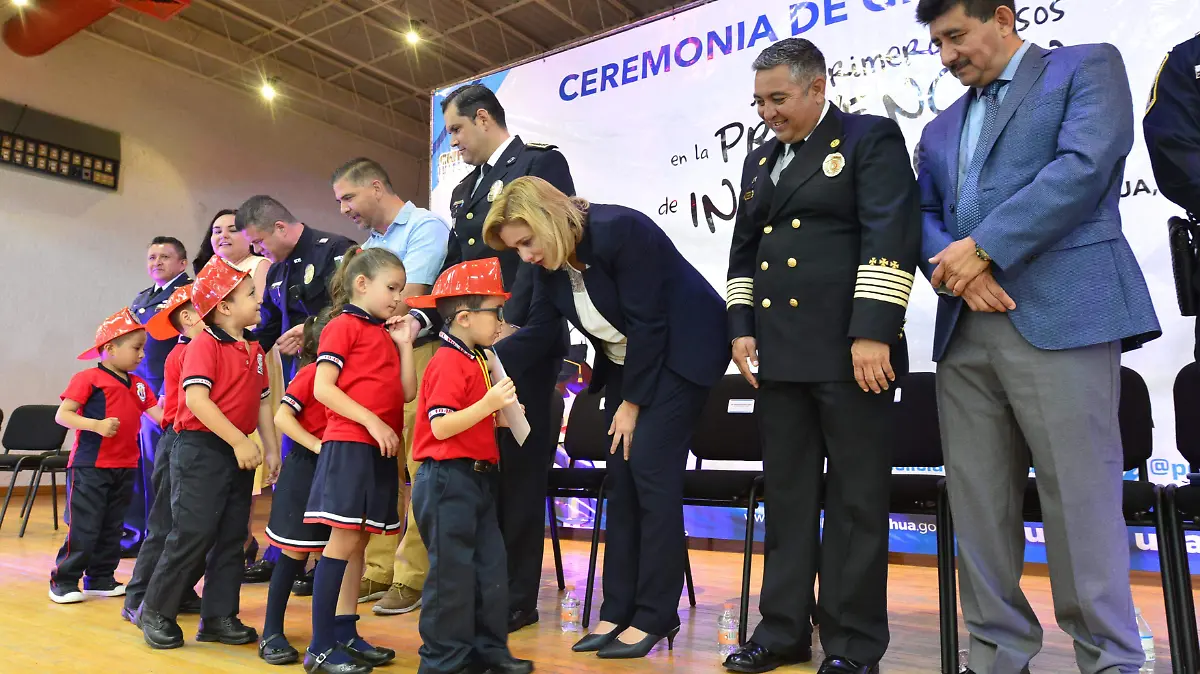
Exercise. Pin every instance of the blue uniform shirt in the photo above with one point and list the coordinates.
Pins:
(418, 237)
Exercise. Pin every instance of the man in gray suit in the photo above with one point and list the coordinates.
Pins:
(1020, 182)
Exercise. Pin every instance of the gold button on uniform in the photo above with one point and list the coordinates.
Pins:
(791, 262)
(471, 242)
(766, 304)
(795, 224)
(764, 265)
(793, 302)
(768, 229)
(470, 216)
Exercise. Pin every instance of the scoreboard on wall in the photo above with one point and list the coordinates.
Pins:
(53, 159)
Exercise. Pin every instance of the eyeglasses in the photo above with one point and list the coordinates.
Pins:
(499, 311)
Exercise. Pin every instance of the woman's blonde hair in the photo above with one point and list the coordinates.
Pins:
(556, 219)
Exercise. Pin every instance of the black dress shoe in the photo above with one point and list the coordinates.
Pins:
(229, 631)
(837, 665)
(303, 586)
(259, 572)
(519, 619)
(160, 632)
(318, 663)
(513, 666)
(190, 605)
(373, 656)
(619, 650)
(595, 641)
(753, 658)
(275, 650)
(130, 614)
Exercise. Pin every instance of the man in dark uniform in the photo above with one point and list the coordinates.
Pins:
(820, 269)
(475, 122)
(1172, 130)
(303, 260)
(166, 262)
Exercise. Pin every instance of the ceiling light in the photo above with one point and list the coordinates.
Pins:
(412, 36)
(268, 90)
(20, 3)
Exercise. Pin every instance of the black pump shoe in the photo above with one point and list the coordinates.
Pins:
(595, 641)
(374, 656)
(318, 663)
(617, 649)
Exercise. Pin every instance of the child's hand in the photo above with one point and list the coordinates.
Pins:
(248, 455)
(108, 427)
(401, 329)
(385, 436)
(272, 472)
(502, 394)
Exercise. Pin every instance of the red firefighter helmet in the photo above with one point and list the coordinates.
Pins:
(160, 326)
(474, 277)
(214, 283)
(120, 323)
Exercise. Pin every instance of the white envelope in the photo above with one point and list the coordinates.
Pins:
(513, 415)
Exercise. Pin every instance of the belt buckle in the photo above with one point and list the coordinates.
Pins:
(483, 467)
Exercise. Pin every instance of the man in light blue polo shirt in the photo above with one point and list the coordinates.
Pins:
(395, 573)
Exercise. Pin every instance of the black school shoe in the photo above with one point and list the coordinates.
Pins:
(276, 650)
(229, 631)
(318, 663)
(303, 587)
(159, 631)
(373, 656)
(259, 572)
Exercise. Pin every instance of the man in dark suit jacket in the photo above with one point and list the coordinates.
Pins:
(166, 262)
(475, 122)
(820, 269)
(1172, 130)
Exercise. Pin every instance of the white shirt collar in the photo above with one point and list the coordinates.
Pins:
(170, 283)
(499, 151)
(824, 111)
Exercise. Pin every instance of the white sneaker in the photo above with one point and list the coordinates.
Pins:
(65, 594)
(103, 588)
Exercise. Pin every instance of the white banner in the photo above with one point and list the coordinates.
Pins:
(659, 118)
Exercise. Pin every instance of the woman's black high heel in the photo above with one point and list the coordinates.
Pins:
(595, 641)
(619, 650)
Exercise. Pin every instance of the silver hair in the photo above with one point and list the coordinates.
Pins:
(802, 58)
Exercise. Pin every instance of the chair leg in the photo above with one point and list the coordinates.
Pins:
(1164, 529)
(947, 584)
(1182, 582)
(747, 561)
(33, 489)
(11, 485)
(687, 573)
(54, 496)
(591, 581)
(558, 566)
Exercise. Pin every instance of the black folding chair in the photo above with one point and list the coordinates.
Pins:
(31, 436)
(1182, 511)
(586, 440)
(919, 445)
(728, 431)
(54, 463)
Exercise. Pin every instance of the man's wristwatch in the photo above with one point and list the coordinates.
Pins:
(982, 254)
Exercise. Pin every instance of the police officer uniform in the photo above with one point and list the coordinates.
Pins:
(524, 473)
(1172, 130)
(145, 306)
(824, 248)
(298, 287)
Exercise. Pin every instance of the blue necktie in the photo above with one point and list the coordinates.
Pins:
(969, 211)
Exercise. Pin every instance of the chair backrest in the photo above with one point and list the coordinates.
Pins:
(728, 429)
(587, 433)
(1136, 421)
(918, 440)
(32, 428)
(1187, 414)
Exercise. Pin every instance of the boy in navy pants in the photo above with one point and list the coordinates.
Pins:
(464, 619)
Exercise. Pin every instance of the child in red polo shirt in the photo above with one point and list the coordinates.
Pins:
(104, 405)
(178, 318)
(365, 374)
(464, 619)
(225, 389)
(302, 418)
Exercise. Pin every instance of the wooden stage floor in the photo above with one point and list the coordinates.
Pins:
(40, 636)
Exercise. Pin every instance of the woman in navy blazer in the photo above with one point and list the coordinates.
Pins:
(658, 328)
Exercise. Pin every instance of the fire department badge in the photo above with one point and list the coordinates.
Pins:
(495, 190)
(309, 272)
(833, 164)
(141, 391)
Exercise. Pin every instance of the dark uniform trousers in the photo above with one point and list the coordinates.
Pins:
(465, 617)
(524, 479)
(802, 424)
(644, 553)
(97, 499)
(158, 525)
(210, 506)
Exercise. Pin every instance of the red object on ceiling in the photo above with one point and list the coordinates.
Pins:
(38, 29)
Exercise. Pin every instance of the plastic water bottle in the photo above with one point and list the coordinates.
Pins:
(569, 611)
(727, 632)
(1147, 641)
